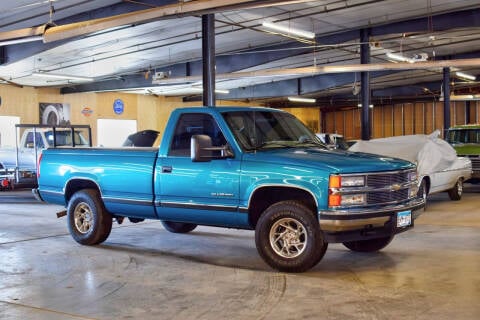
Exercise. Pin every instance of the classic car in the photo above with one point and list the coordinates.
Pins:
(438, 166)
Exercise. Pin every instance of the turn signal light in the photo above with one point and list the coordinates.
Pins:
(335, 182)
(334, 200)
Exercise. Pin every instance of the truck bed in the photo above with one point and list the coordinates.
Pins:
(124, 176)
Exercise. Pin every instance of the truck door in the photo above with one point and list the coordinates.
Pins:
(197, 192)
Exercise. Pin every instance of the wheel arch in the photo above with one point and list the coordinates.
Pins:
(427, 182)
(76, 184)
(265, 196)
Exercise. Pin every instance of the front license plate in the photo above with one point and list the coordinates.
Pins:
(404, 218)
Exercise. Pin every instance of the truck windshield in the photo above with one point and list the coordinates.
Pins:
(456, 136)
(255, 130)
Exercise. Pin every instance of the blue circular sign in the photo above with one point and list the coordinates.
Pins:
(118, 106)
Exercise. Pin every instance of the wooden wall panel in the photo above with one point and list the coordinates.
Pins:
(357, 123)
(330, 122)
(349, 132)
(398, 127)
(419, 125)
(387, 121)
(309, 116)
(429, 118)
(460, 109)
(408, 118)
(339, 122)
(377, 122)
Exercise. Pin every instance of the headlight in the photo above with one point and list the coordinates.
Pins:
(353, 199)
(346, 181)
(412, 176)
(353, 181)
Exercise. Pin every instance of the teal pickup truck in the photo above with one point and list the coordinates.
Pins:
(247, 168)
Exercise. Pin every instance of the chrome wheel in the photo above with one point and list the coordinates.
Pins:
(288, 238)
(83, 218)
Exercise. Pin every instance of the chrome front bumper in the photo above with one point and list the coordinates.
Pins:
(348, 220)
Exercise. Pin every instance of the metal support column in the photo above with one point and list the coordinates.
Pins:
(208, 56)
(468, 109)
(365, 83)
(446, 99)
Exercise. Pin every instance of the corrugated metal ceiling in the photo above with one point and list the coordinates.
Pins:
(439, 28)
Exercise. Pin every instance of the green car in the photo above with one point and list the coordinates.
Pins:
(466, 141)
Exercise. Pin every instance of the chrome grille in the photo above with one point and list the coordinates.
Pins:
(475, 164)
(386, 197)
(385, 180)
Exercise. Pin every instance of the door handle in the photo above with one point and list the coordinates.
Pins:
(166, 169)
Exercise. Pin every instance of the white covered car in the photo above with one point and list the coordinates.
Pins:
(439, 169)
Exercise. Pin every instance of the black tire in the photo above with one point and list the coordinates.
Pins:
(178, 227)
(423, 192)
(288, 237)
(456, 192)
(89, 222)
(370, 245)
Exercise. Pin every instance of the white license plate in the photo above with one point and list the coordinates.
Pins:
(404, 218)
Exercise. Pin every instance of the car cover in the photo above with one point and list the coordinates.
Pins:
(429, 152)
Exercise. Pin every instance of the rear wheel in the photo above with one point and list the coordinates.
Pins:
(455, 193)
(178, 227)
(370, 245)
(89, 222)
(288, 237)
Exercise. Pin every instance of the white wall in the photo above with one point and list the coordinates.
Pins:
(7, 130)
(112, 133)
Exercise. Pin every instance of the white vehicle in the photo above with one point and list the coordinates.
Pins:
(438, 166)
(22, 160)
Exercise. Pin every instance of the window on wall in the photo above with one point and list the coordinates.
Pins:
(7, 130)
(112, 133)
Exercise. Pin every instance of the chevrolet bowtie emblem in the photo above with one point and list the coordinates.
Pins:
(395, 187)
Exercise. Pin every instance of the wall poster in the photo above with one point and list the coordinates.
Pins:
(54, 114)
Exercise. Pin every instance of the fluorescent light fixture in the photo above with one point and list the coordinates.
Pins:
(462, 97)
(398, 57)
(21, 40)
(288, 30)
(219, 91)
(465, 76)
(60, 76)
(305, 100)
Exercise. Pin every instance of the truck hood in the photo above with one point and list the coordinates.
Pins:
(337, 161)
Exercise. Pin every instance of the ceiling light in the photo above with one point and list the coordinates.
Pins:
(465, 76)
(220, 91)
(398, 57)
(61, 76)
(462, 97)
(288, 30)
(298, 99)
(21, 40)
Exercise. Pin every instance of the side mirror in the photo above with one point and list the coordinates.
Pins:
(201, 149)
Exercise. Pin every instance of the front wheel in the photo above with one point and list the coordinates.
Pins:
(288, 237)
(370, 245)
(89, 222)
(178, 227)
(455, 193)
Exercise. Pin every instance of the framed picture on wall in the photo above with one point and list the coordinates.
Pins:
(54, 114)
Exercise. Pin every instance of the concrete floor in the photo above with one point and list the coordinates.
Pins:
(144, 272)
